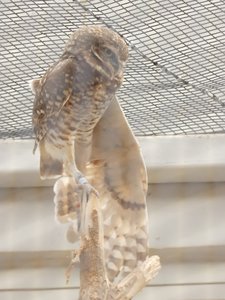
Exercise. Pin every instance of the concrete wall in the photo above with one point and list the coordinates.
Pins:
(187, 224)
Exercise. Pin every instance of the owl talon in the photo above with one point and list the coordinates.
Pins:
(85, 185)
(87, 190)
(90, 190)
(84, 201)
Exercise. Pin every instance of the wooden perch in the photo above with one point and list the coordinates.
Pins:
(94, 284)
(133, 283)
(93, 277)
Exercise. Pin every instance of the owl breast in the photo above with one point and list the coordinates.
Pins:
(80, 114)
(73, 95)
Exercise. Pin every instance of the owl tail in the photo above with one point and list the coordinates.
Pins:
(51, 164)
(126, 237)
(125, 247)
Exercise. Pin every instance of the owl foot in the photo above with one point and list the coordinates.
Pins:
(86, 190)
(85, 185)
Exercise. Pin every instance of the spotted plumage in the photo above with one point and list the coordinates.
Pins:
(81, 131)
(74, 93)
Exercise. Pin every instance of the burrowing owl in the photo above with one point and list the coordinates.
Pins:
(72, 96)
(82, 131)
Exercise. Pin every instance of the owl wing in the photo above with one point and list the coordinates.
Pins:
(52, 92)
(117, 171)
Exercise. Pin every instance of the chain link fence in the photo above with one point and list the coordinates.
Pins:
(175, 76)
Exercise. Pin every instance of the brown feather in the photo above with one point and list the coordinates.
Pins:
(118, 173)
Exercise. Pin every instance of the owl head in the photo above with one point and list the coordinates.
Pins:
(102, 48)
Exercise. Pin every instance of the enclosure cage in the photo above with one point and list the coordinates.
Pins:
(173, 96)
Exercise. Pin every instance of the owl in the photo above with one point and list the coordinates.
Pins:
(72, 96)
(83, 135)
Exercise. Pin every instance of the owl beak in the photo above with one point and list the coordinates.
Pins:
(109, 69)
(96, 55)
(104, 68)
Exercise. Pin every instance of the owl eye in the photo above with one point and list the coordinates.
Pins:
(108, 52)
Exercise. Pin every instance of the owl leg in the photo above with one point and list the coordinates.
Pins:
(71, 170)
(76, 189)
(86, 190)
(84, 186)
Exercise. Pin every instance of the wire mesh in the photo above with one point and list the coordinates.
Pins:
(175, 76)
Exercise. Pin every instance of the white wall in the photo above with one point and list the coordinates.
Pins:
(186, 229)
